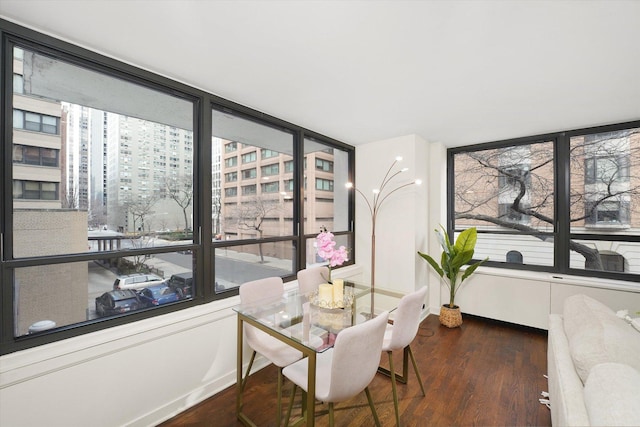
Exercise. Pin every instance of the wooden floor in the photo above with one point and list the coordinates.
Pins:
(484, 373)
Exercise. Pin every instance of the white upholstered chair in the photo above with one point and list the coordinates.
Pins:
(310, 278)
(346, 369)
(399, 336)
(279, 353)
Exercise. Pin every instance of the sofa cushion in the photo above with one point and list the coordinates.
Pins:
(612, 395)
(596, 335)
(566, 391)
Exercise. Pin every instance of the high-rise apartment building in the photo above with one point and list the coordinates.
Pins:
(147, 165)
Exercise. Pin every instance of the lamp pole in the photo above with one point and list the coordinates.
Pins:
(379, 196)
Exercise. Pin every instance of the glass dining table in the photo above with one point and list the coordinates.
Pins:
(310, 323)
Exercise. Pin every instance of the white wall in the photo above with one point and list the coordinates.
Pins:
(135, 374)
(402, 217)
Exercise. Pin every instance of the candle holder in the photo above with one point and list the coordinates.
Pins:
(324, 301)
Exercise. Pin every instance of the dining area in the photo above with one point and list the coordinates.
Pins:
(483, 373)
(325, 341)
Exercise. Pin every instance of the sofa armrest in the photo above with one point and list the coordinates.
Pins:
(566, 391)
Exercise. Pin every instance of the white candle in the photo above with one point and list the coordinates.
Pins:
(325, 293)
(338, 292)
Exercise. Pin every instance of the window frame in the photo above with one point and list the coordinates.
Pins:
(562, 234)
(23, 150)
(39, 191)
(322, 182)
(203, 245)
(41, 118)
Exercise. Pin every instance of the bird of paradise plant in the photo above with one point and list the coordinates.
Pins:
(453, 257)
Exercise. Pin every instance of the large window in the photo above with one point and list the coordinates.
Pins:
(328, 206)
(565, 202)
(261, 212)
(507, 193)
(89, 178)
(110, 185)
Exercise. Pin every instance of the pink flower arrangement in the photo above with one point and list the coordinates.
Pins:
(327, 249)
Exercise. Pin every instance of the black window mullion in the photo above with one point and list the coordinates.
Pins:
(6, 183)
(562, 226)
(451, 222)
(202, 196)
(298, 196)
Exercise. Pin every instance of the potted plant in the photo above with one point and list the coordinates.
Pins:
(453, 258)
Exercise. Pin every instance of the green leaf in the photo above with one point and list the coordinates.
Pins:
(466, 240)
(444, 262)
(461, 259)
(469, 271)
(433, 263)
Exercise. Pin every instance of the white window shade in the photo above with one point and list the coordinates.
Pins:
(62, 81)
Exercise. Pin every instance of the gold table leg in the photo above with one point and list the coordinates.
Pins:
(311, 376)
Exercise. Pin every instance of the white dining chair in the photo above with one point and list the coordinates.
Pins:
(276, 351)
(344, 370)
(399, 335)
(310, 278)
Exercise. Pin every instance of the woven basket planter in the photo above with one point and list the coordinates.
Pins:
(450, 317)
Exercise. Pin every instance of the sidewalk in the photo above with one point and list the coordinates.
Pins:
(169, 268)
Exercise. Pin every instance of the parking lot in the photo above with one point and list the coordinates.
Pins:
(101, 278)
(232, 269)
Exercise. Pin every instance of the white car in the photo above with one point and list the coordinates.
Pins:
(136, 281)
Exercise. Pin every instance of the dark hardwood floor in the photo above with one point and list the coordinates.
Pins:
(485, 373)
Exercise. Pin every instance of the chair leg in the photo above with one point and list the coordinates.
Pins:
(293, 395)
(330, 414)
(393, 387)
(373, 408)
(244, 381)
(415, 368)
(279, 404)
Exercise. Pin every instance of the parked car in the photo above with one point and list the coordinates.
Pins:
(183, 284)
(157, 295)
(117, 302)
(136, 281)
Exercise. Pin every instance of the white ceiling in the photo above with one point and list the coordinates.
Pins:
(456, 72)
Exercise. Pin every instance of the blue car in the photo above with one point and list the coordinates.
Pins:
(157, 295)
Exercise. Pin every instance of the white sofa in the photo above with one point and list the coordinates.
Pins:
(593, 366)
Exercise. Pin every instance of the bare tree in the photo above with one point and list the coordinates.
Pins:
(513, 187)
(251, 215)
(216, 211)
(97, 214)
(139, 209)
(163, 223)
(139, 261)
(180, 190)
(70, 198)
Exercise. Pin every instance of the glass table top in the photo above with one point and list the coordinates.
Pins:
(315, 319)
